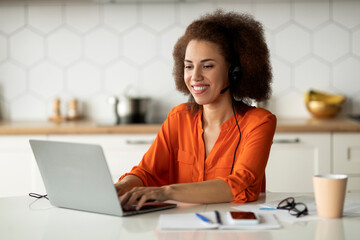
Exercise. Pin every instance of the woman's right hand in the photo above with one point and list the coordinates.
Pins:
(120, 189)
(127, 183)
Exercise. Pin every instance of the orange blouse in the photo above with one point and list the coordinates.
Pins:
(178, 153)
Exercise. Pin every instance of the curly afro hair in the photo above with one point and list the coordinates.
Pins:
(241, 41)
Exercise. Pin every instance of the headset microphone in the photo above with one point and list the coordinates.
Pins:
(224, 89)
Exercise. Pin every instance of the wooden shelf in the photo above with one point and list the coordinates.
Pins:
(88, 127)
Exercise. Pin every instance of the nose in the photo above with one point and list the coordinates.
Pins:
(197, 74)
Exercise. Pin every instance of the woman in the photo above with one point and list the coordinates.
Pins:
(214, 148)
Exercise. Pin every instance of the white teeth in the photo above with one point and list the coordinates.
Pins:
(200, 88)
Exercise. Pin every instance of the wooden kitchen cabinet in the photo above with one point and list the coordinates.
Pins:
(346, 158)
(19, 173)
(122, 151)
(18, 169)
(295, 158)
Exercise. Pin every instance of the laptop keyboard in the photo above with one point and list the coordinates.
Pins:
(148, 207)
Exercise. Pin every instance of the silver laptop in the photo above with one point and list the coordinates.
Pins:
(76, 176)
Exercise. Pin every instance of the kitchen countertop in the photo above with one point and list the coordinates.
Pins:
(75, 127)
(341, 124)
(88, 127)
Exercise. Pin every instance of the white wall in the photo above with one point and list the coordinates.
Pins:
(92, 51)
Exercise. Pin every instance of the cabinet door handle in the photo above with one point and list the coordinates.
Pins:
(139, 142)
(296, 140)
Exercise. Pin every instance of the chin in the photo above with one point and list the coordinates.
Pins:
(199, 101)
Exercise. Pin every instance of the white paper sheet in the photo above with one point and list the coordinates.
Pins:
(189, 221)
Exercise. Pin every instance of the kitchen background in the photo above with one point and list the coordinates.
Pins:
(91, 51)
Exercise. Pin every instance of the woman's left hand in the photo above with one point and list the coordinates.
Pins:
(139, 195)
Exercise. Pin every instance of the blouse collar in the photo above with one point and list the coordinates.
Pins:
(229, 123)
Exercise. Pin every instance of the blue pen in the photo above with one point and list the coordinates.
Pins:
(267, 208)
(203, 218)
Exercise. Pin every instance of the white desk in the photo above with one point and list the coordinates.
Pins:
(28, 218)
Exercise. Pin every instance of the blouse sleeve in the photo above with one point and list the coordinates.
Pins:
(249, 168)
(153, 169)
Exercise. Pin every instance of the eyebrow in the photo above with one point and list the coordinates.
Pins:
(202, 61)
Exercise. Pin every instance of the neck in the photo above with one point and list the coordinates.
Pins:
(214, 115)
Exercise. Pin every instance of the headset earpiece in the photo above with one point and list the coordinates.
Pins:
(234, 74)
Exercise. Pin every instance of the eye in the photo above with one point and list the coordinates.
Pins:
(188, 66)
(208, 66)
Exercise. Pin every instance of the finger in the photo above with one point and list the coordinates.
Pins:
(132, 199)
(125, 197)
(151, 195)
(120, 190)
(141, 202)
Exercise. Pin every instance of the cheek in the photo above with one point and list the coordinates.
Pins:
(186, 75)
(187, 79)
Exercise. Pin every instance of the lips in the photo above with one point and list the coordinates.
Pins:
(198, 89)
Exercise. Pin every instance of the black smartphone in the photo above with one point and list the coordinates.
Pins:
(245, 218)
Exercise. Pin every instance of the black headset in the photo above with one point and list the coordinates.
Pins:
(234, 74)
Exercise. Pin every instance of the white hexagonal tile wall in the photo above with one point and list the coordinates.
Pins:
(46, 80)
(119, 76)
(168, 40)
(356, 42)
(345, 74)
(99, 109)
(158, 16)
(331, 42)
(292, 43)
(12, 81)
(26, 47)
(173, 98)
(140, 45)
(3, 48)
(101, 46)
(272, 15)
(4, 110)
(64, 46)
(27, 107)
(241, 7)
(270, 40)
(120, 16)
(281, 77)
(45, 18)
(192, 11)
(83, 80)
(83, 17)
(290, 105)
(302, 12)
(312, 74)
(347, 13)
(157, 80)
(159, 109)
(11, 18)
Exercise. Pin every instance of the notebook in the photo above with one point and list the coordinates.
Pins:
(189, 221)
(76, 176)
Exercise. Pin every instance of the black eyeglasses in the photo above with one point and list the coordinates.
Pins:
(295, 208)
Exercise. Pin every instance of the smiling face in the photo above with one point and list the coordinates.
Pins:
(206, 72)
